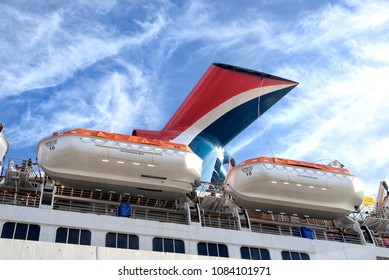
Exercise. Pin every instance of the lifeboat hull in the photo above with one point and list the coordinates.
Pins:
(306, 190)
(101, 163)
(3, 149)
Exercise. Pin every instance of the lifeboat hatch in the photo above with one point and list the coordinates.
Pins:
(153, 177)
(150, 190)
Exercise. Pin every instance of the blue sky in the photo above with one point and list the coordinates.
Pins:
(120, 65)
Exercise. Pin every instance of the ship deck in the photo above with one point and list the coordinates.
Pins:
(190, 220)
(102, 203)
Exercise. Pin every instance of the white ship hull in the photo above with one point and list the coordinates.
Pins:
(125, 167)
(231, 230)
(280, 188)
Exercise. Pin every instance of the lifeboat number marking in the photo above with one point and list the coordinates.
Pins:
(51, 144)
(306, 176)
(247, 170)
(129, 151)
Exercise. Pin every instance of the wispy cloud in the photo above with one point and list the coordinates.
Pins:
(73, 67)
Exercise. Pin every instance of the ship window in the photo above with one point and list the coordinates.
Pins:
(73, 236)
(8, 230)
(168, 245)
(250, 253)
(304, 256)
(212, 249)
(287, 255)
(202, 249)
(85, 237)
(157, 244)
(33, 232)
(110, 240)
(61, 235)
(20, 231)
(180, 246)
(121, 240)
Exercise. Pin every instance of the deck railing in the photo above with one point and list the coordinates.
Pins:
(19, 198)
(320, 233)
(381, 240)
(266, 224)
(111, 209)
(219, 220)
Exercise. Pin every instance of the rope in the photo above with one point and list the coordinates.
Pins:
(260, 123)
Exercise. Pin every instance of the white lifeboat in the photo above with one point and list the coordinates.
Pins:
(3, 147)
(294, 188)
(99, 160)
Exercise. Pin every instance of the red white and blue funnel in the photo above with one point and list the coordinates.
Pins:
(224, 102)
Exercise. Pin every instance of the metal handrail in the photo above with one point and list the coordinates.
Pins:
(214, 220)
(219, 221)
(75, 204)
(11, 197)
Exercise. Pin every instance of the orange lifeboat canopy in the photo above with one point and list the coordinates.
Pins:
(292, 162)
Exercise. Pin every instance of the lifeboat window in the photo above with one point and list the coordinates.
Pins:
(250, 253)
(288, 255)
(73, 236)
(121, 240)
(168, 245)
(212, 249)
(20, 231)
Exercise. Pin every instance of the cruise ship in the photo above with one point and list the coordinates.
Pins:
(175, 194)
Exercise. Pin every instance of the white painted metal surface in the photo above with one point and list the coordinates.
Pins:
(3, 147)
